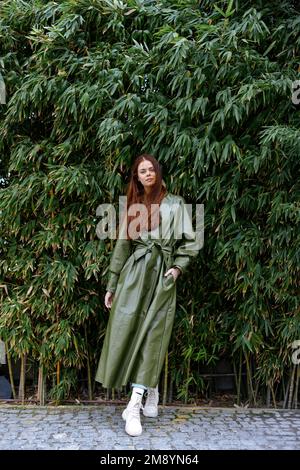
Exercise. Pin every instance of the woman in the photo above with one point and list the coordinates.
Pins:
(141, 290)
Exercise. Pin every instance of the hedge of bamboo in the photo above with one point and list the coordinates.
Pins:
(207, 88)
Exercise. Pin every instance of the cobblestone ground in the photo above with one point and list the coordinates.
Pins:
(179, 428)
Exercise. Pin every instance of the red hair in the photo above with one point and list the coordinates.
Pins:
(136, 194)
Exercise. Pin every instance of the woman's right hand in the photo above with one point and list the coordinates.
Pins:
(109, 296)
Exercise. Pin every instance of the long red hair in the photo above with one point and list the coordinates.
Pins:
(136, 194)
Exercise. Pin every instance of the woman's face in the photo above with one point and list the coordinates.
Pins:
(146, 174)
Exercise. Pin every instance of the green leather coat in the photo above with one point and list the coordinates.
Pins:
(143, 308)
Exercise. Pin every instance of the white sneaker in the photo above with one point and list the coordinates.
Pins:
(131, 415)
(150, 408)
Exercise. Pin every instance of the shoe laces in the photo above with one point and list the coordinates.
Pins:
(135, 407)
(151, 397)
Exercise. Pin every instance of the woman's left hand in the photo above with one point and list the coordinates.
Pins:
(174, 271)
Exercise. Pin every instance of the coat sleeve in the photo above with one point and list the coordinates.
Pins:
(119, 256)
(189, 245)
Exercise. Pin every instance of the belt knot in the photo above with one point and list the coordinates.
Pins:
(144, 246)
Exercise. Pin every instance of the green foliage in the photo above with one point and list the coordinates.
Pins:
(206, 87)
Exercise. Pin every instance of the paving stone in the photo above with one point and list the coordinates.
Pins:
(102, 428)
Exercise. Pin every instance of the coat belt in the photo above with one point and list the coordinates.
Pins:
(143, 247)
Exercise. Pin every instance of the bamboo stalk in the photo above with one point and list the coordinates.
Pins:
(166, 379)
(187, 379)
(268, 397)
(235, 374)
(286, 394)
(291, 387)
(41, 385)
(297, 387)
(252, 370)
(170, 399)
(273, 396)
(58, 373)
(22, 378)
(11, 377)
(247, 378)
(239, 379)
(171, 381)
(90, 388)
(276, 387)
(283, 388)
(249, 382)
(256, 391)
(252, 373)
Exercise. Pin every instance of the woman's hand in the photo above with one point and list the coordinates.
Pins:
(109, 297)
(174, 271)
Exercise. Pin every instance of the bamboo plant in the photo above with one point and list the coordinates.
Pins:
(207, 88)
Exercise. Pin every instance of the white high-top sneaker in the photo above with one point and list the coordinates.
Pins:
(131, 415)
(150, 408)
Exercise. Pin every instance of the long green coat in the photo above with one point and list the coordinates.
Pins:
(143, 308)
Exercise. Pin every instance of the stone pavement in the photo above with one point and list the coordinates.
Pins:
(194, 428)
